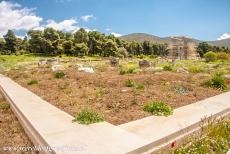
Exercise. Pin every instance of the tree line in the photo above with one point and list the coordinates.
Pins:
(204, 47)
(79, 43)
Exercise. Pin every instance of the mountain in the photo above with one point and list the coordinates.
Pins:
(225, 42)
(141, 37)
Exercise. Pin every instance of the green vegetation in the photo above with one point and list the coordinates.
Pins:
(168, 68)
(140, 87)
(81, 43)
(31, 82)
(180, 89)
(210, 56)
(129, 83)
(87, 117)
(59, 75)
(196, 69)
(4, 106)
(217, 81)
(129, 70)
(214, 138)
(158, 108)
(204, 47)
(222, 56)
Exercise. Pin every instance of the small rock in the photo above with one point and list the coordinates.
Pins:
(144, 63)
(227, 76)
(41, 62)
(86, 69)
(52, 61)
(114, 62)
(56, 68)
(182, 70)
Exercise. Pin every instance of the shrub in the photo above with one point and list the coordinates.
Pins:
(129, 83)
(127, 70)
(4, 106)
(180, 89)
(87, 117)
(196, 69)
(210, 56)
(31, 82)
(167, 68)
(217, 81)
(140, 87)
(158, 108)
(222, 56)
(59, 75)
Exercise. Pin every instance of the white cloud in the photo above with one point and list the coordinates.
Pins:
(116, 34)
(224, 36)
(14, 16)
(86, 18)
(67, 25)
(89, 30)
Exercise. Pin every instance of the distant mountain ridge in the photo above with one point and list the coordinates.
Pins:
(141, 37)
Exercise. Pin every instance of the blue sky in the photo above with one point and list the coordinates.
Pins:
(201, 19)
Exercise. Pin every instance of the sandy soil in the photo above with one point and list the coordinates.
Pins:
(106, 92)
(11, 132)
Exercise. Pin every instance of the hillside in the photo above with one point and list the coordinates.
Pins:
(140, 37)
(225, 42)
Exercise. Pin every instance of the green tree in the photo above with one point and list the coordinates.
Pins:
(109, 48)
(202, 48)
(68, 47)
(11, 41)
(81, 36)
(81, 49)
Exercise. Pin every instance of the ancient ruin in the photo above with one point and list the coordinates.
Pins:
(182, 48)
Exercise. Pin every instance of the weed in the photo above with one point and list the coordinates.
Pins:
(140, 87)
(59, 75)
(217, 81)
(180, 89)
(210, 56)
(167, 68)
(87, 117)
(129, 83)
(214, 139)
(158, 108)
(4, 106)
(128, 70)
(31, 82)
(196, 69)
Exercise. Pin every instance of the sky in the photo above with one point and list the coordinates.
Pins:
(200, 19)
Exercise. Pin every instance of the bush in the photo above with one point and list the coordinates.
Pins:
(167, 68)
(31, 82)
(140, 87)
(127, 70)
(158, 108)
(180, 90)
(210, 56)
(129, 83)
(4, 106)
(87, 117)
(222, 56)
(59, 75)
(196, 69)
(217, 81)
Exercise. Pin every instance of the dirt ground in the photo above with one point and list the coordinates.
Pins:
(106, 92)
(11, 132)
